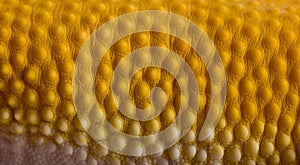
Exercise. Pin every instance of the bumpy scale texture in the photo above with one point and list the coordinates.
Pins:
(257, 41)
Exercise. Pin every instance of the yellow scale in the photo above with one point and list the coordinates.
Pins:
(258, 43)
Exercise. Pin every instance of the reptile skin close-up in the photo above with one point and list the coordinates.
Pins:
(259, 47)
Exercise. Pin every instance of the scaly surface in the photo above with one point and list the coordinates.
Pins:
(257, 41)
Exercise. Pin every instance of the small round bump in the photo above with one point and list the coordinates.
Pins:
(282, 140)
(152, 74)
(293, 99)
(45, 129)
(30, 76)
(12, 101)
(241, 132)
(194, 63)
(58, 139)
(252, 14)
(5, 71)
(47, 115)
(51, 75)
(67, 149)
(294, 54)
(21, 23)
(180, 45)
(239, 47)
(265, 94)
(286, 122)
(142, 90)
(252, 147)
(43, 17)
(37, 32)
(50, 97)
(117, 122)
(246, 86)
(189, 137)
(267, 148)
(32, 117)
(68, 18)
(62, 125)
(233, 115)
(222, 35)
(273, 23)
(17, 86)
(261, 73)
(281, 85)
(80, 139)
(258, 128)
(90, 19)
(121, 46)
(50, 147)
(226, 137)
(2, 86)
(18, 60)
(153, 125)
(237, 68)
(40, 54)
(270, 130)
(142, 58)
(18, 114)
(68, 109)
(250, 31)
(249, 162)
(81, 154)
(232, 92)
(234, 155)
(92, 161)
(270, 42)
(172, 64)
(5, 115)
(254, 55)
(166, 85)
(274, 159)
(174, 153)
(17, 128)
(67, 67)
(287, 35)
(249, 110)
(188, 118)
(201, 155)
(289, 156)
(80, 36)
(295, 75)
(102, 88)
(214, 21)
(4, 32)
(134, 128)
(57, 30)
(272, 110)
(235, 21)
(179, 8)
(19, 41)
(66, 89)
(189, 150)
(216, 152)
(278, 65)
(61, 49)
(30, 97)
(168, 115)
(5, 16)
(141, 39)
(129, 8)
(136, 149)
(173, 133)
